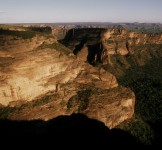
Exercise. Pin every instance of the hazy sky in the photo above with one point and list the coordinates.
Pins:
(50, 11)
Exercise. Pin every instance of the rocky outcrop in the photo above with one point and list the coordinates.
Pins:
(114, 41)
(51, 81)
(109, 106)
(27, 72)
(94, 92)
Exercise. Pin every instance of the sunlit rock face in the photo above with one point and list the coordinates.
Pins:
(52, 82)
(26, 70)
(111, 107)
(100, 97)
(93, 92)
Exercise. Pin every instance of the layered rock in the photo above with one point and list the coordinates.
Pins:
(27, 72)
(114, 41)
(109, 106)
(94, 92)
(58, 83)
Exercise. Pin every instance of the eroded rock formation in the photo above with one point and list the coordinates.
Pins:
(51, 81)
(101, 44)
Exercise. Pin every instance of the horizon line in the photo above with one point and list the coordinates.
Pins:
(70, 22)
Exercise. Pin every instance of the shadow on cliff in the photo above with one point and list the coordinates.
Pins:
(86, 36)
(63, 131)
(94, 52)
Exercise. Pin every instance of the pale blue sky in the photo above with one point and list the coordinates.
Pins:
(50, 11)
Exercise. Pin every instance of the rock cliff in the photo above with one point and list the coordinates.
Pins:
(42, 79)
(99, 45)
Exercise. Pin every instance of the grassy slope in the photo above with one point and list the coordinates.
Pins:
(21, 34)
(57, 46)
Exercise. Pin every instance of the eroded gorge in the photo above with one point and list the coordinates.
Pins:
(111, 75)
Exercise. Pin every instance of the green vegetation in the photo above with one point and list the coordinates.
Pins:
(5, 112)
(20, 34)
(42, 101)
(110, 41)
(28, 34)
(146, 82)
(47, 30)
(57, 46)
(144, 27)
(8, 111)
(79, 101)
(150, 30)
(139, 129)
(142, 72)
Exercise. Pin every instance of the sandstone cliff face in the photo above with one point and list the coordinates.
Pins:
(125, 40)
(27, 72)
(94, 92)
(113, 42)
(56, 82)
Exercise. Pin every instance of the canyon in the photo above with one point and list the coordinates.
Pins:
(44, 77)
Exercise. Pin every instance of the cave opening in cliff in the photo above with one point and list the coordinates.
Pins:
(79, 46)
(94, 54)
